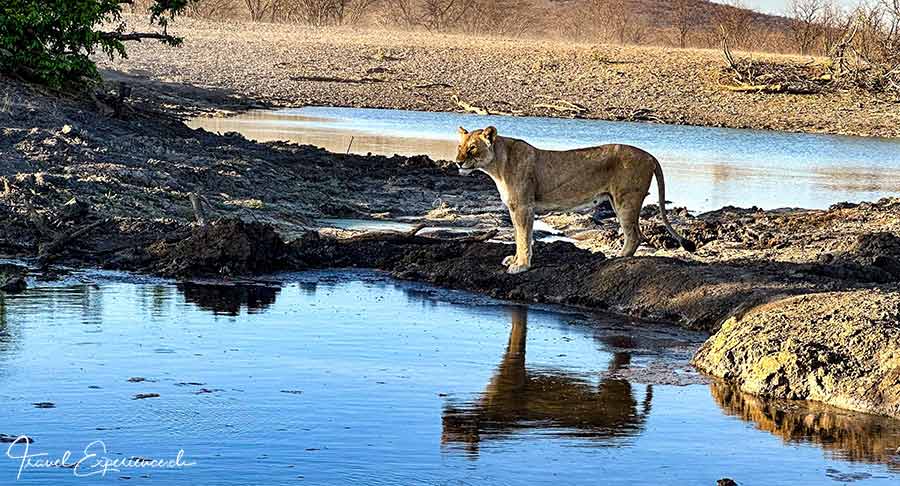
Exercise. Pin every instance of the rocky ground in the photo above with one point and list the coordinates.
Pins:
(289, 65)
(802, 303)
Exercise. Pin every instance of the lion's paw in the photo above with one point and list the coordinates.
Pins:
(516, 268)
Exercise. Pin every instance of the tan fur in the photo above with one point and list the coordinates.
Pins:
(532, 180)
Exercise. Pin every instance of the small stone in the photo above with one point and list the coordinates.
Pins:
(9, 439)
(726, 482)
(66, 129)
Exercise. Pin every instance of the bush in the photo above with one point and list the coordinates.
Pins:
(51, 41)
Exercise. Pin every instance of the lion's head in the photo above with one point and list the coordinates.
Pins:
(475, 150)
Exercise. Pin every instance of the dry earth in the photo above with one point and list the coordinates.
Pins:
(289, 65)
(840, 348)
(89, 183)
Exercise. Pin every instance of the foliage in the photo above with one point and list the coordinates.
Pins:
(52, 41)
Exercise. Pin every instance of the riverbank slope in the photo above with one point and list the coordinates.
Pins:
(129, 186)
(290, 65)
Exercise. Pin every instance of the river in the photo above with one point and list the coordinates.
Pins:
(706, 168)
(350, 377)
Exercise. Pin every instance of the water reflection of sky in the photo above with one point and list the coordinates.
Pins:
(356, 378)
(706, 168)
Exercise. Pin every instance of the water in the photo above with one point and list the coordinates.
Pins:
(706, 168)
(337, 378)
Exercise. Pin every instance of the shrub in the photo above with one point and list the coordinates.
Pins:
(51, 41)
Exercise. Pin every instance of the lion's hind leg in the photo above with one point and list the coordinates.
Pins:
(628, 210)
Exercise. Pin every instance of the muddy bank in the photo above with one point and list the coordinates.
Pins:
(12, 278)
(841, 348)
(90, 183)
(290, 65)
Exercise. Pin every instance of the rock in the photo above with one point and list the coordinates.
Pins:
(726, 482)
(842, 205)
(12, 278)
(869, 246)
(839, 348)
(9, 439)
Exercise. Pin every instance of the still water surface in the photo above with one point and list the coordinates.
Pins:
(339, 378)
(706, 168)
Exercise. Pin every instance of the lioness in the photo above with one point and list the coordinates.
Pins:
(530, 179)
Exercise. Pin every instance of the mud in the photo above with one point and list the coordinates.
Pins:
(803, 302)
(840, 348)
(12, 278)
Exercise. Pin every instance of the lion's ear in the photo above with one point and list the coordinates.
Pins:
(489, 134)
(462, 133)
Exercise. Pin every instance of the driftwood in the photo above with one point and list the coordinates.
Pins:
(431, 85)
(478, 110)
(197, 205)
(55, 248)
(334, 79)
(747, 76)
(388, 235)
(412, 236)
(561, 105)
(845, 69)
(39, 222)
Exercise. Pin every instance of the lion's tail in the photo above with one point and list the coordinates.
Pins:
(661, 184)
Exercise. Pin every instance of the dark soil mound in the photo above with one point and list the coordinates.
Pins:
(881, 250)
(873, 257)
(12, 278)
(227, 247)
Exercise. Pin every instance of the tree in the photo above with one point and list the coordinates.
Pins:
(258, 8)
(401, 12)
(685, 19)
(621, 21)
(806, 22)
(51, 41)
(441, 15)
(208, 9)
(735, 21)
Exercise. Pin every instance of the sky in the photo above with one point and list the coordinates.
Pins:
(779, 6)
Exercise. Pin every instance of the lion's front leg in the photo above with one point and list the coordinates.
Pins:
(523, 224)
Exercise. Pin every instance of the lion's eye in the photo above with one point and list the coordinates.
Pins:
(472, 150)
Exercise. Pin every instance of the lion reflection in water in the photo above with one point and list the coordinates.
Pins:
(519, 398)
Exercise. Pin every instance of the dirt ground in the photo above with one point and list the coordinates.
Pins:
(96, 182)
(288, 65)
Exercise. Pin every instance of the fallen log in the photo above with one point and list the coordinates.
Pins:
(55, 248)
(478, 110)
(561, 105)
(412, 236)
